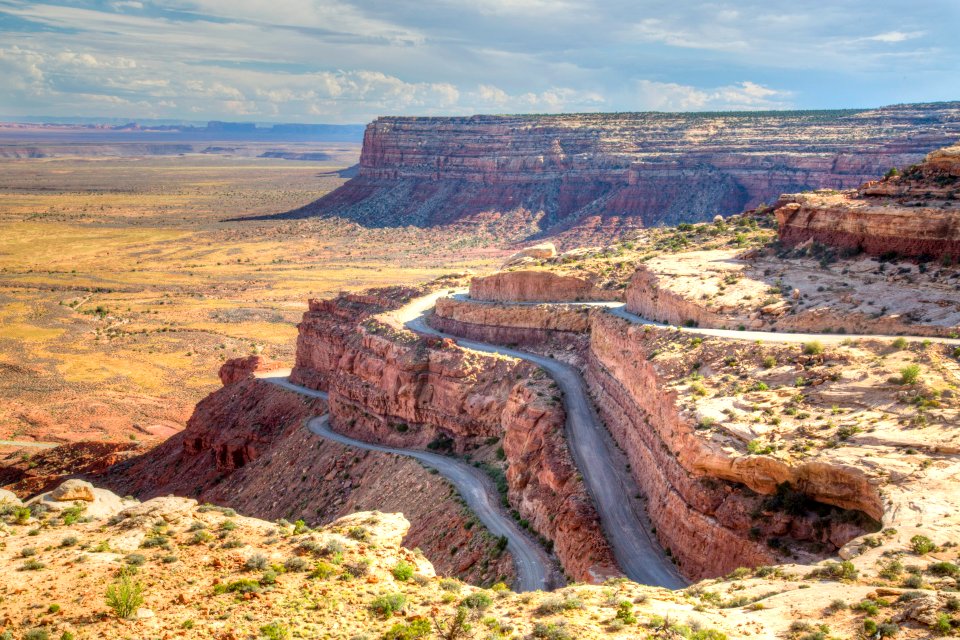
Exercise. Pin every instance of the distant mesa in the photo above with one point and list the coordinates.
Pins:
(590, 177)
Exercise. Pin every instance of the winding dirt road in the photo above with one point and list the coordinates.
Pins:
(599, 460)
(533, 564)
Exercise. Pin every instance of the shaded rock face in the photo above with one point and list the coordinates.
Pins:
(246, 447)
(532, 285)
(916, 213)
(612, 172)
(238, 369)
(388, 386)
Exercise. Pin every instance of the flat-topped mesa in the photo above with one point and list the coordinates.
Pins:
(624, 170)
(915, 213)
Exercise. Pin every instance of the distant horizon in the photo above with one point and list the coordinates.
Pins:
(120, 120)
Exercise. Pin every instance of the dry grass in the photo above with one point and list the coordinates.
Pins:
(119, 279)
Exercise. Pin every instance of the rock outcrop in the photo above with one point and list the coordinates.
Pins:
(914, 213)
(246, 447)
(387, 385)
(533, 285)
(605, 173)
(238, 369)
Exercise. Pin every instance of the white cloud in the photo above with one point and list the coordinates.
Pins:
(666, 96)
(895, 36)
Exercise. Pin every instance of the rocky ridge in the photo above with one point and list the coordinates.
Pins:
(598, 175)
(911, 213)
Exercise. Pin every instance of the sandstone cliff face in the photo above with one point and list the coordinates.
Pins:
(636, 169)
(531, 285)
(705, 523)
(389, 386)
(702, 498)
(245, 447)
(916, 213)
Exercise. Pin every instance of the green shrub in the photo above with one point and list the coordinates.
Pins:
(769, 362)
(416, 628)
(388, 604)
(32, 565)
(37, 634)
(910, 374)
(275, 631)
(359, 534)
(942, 624)
(69, 541)
(551, 631)
(625, 613)
(403, 571)
(244, 585)
(135, 559)
(887, 630)
(478, 601)
(922, 545)
(900, 343)
(323, 570)
(124, 596)
(943, 569)
(813, 348)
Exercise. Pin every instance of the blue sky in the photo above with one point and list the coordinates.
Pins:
(352, 60)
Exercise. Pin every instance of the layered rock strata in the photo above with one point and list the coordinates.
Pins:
(533, 285)
(387, 385)
(610, 172)
(702, 499)
(914, 213)
(246, 447)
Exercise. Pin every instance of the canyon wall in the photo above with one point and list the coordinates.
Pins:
(246, 447)
(703, 500)
(532, 285)
(913, 213)
(389, 386)
(610, 172)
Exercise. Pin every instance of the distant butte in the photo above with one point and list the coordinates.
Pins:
(587, 177)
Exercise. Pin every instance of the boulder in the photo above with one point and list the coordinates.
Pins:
(540, 251)
(8, 498)
(98, 503)
(171, 509)
(73, 490)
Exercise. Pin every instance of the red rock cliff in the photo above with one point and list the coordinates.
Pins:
(388, 386)
(910, 214)
(629, 169)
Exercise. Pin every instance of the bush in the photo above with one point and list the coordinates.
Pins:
(625, 613)
(478, 601)
(124, 596)
(37, 634)
(769, 362)
(323, 570)
(69, 541)
(556, 603)
(296, 564)
(417, 628)
(28, 552)
(942, 625)
(922, 545)
(244, 585)
(135, 559)
(388, 604)
(910, 374)
(274, 631)
(813, 348)
(403, 571)
(32, 565)
(359, 534)
(887, 630)
(844, 571)
(943, 569)
(900, 343)
(255, 562)
(551, 631)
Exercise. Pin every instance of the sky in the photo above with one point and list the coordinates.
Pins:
(349, 61)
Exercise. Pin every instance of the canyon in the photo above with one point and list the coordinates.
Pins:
(590, 177)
